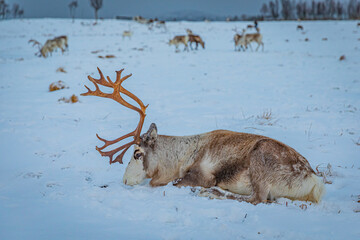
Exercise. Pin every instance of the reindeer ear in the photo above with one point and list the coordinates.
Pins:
(149, 138)
(152, 132)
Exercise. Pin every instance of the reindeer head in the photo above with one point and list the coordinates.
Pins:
(136, 171)
(142, 143)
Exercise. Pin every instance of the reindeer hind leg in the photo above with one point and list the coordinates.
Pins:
(191, 45)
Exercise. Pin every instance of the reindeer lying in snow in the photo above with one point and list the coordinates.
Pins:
(245, 164)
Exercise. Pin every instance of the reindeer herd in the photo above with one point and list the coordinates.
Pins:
(242, 41)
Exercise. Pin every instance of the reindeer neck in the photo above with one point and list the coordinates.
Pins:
(172, 153)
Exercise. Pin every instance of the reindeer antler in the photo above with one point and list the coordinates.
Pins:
(116, 86)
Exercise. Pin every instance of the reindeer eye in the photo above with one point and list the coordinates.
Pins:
(137, 154)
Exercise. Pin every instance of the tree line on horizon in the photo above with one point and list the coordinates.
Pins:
(314, 10)
(273, 10)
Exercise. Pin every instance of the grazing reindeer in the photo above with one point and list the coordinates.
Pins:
(51, 45)
(177, 40)
(140, 19)
(193, 38)
(300, 27)
(242, 163)
(127, 34)
(161, 24)
(254, 37)
(239, 40)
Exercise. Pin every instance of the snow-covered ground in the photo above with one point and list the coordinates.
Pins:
(55, 185)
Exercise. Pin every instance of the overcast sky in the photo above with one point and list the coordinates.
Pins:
(146, 8)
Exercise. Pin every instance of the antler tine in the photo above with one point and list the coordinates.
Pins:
(111, 153)
(108, 143)
(102, 81)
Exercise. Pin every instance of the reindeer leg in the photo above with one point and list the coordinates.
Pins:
(186, 47)
(157, 181)
(260, 194)
(195, 177)
(219, 193)
(260, 174)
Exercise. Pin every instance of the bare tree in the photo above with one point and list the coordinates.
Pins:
(353, 9)
(301, 10)
(21, 13)
(264, 10)
(339, 10)
(15, 10)
(96, 4)
(72, 7)
(312, 9)
(305, 10)
(286, 9)
(274, 9)
(330, 8)
(4, 9)
(320, 9)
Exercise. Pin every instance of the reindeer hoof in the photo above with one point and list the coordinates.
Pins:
(176, 182)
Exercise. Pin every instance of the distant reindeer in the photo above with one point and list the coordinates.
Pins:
(150, 23)
(254, 37)
(300, 27)
(51, 45)
(254, 168)
(177, 40)
(127, 34)
(193, 38)
(239, 40)
(139, 19)
(161, 24)
(249, 26)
